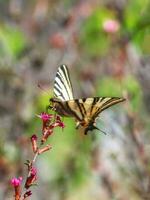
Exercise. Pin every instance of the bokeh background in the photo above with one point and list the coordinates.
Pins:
(106, 45)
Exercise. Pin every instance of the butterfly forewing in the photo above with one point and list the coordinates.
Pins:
(62, 85)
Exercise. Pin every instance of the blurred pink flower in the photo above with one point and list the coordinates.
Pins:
(111, 25)
(57, 41)
(45, 116)
(16, 181)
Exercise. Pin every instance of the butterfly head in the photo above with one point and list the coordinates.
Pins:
(53, 103)
(54, 100)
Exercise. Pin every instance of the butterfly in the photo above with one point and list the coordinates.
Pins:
(84, 110)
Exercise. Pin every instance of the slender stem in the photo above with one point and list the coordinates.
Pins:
(35, 157)
(30, 167)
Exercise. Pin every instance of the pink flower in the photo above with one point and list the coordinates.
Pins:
(111, 26)
(16, 181)
(45, 117)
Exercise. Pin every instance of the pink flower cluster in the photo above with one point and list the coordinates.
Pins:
(49, 122)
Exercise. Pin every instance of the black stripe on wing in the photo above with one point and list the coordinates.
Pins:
(95, 100)
(80, 106)
(74, 112)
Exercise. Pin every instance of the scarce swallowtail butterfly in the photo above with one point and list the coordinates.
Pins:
(84, 110)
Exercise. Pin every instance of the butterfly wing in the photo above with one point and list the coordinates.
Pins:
(99, 104)
(91, 107)
(86, 110)
(62, 85)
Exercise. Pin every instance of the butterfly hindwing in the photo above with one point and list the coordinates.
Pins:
(86, 110)
(99, 104)
(62, 85)
(90, 107)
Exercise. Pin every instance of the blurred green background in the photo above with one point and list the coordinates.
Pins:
(106, 47)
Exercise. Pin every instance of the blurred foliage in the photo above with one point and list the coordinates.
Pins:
(114, 87)
(133, 12)
(134, 25)
(12, 41)
(93, 39)
(137, 23)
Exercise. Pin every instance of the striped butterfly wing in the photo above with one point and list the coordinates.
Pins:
(86, 110)
(99, 104)
(91, 107)
(62, 85)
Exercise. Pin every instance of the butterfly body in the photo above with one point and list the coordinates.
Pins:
(71, 109)
(84, 110)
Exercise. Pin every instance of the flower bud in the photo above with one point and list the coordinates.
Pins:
(16, 182)
(34, 143)
(46, 148)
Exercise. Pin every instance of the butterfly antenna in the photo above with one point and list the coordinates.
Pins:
(100, 130)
